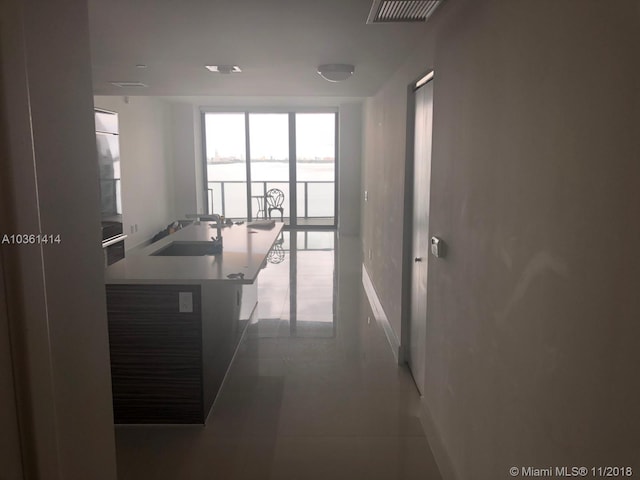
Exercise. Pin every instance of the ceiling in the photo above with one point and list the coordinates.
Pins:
(277, 43)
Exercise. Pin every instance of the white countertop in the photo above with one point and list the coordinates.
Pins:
(244, 251)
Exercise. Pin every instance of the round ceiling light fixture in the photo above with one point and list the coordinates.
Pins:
(336, 72)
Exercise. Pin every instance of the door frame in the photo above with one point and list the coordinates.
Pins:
(407, 230)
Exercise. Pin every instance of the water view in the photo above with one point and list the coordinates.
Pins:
(269, 143)
(314, 180)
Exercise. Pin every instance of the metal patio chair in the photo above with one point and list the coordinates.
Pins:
(274, 201)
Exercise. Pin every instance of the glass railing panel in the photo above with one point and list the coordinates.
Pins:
(321, 199)
(235, 199)
(214, 197)
(300, 199)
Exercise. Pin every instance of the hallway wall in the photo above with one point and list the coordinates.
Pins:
(532, 317)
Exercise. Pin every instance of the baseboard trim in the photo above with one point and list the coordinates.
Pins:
(440, 454)
(381, 316)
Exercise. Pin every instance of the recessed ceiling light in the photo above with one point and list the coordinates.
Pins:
(336, 72)
(140, 65)
(224, 69)
(129, 84)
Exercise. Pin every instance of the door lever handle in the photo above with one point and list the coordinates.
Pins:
(417, 259)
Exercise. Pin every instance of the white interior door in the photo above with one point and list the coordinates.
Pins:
(420, 237)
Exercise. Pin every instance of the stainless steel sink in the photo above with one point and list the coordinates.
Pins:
(188, 249)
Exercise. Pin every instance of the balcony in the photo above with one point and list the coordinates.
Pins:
(315, 200)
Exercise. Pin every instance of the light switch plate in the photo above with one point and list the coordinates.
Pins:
(185, 302)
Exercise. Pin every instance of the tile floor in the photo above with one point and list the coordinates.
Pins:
(313, 392)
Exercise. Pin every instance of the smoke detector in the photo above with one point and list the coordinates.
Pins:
(389, 11)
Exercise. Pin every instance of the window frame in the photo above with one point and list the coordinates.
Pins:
(291, 111)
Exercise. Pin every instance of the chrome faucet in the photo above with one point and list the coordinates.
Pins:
(217, 241)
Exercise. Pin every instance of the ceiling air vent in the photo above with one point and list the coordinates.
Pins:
(388, 11)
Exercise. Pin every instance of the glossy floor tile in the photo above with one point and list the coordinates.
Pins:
(313, 392)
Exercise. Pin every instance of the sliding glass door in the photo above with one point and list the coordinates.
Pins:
(225, 164)
(315, 168)
(269, 154)
(249, 153)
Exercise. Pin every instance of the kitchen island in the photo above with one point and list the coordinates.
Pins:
(176, 317)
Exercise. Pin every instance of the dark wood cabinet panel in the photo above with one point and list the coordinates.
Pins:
(156, 354)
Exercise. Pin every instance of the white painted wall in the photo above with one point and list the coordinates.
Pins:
(349, 174)
(185, 158)
(198, 149)
(147, 149)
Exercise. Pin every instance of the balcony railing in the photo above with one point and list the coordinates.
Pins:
(318, 204)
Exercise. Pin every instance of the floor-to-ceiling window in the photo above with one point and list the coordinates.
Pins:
(269, 160)
(248, 153)
(225, 164)
(315, 148)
